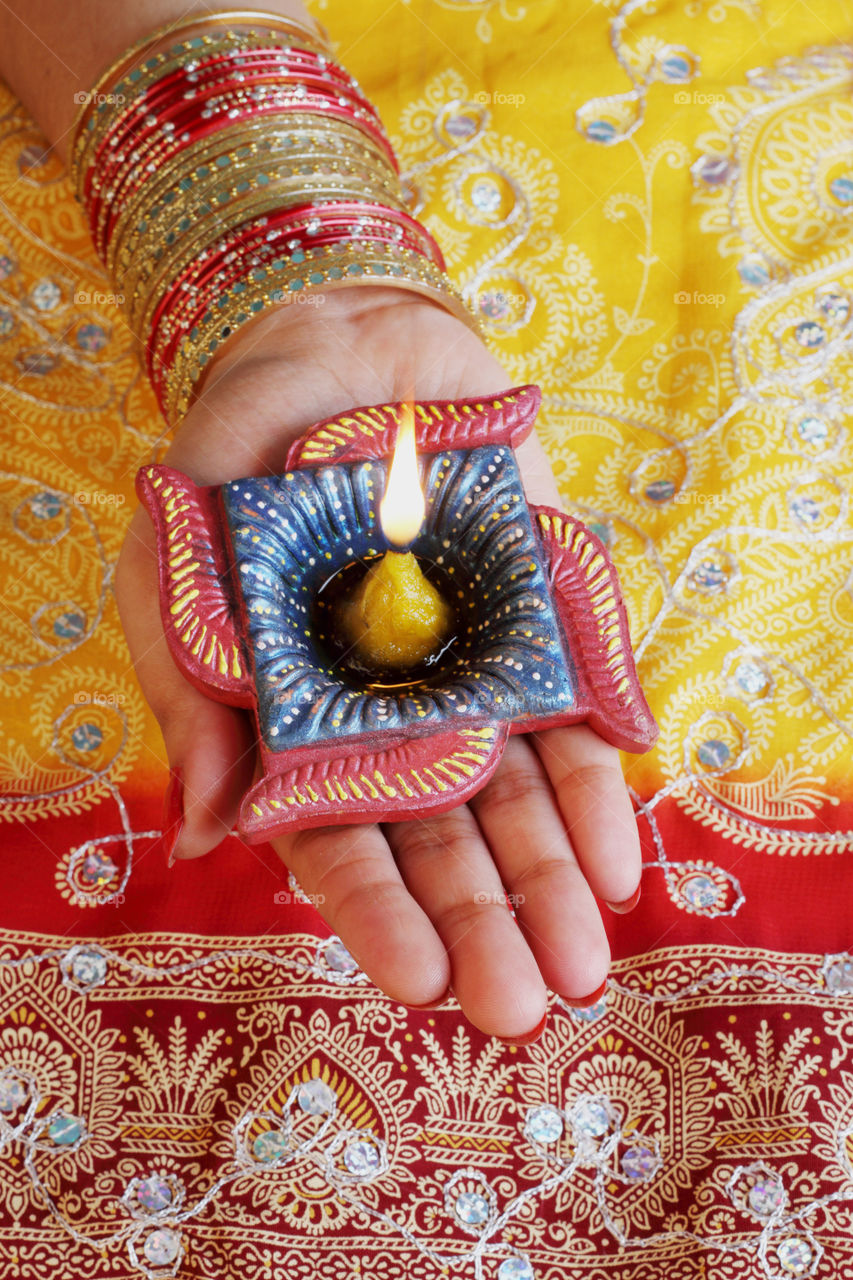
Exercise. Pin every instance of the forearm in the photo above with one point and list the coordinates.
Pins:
(57, 48)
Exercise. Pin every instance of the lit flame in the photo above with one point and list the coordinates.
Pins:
(402, 510)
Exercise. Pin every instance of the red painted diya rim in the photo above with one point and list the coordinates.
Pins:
(384, 776)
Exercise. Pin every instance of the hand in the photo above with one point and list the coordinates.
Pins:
(420, 903)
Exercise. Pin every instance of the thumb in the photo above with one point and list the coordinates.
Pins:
(211, 747)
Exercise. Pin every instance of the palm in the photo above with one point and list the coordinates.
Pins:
(419, 904)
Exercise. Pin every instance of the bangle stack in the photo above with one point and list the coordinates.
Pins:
(231, 172)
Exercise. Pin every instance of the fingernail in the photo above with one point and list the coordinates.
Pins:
(433, 1004)
(622, 908)
(584, 1002)
(531, 1035)
(173, 814)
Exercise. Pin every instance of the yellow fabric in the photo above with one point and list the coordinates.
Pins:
(630, 273)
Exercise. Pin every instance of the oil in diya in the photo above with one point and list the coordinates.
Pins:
(385, 683)
(394, 619)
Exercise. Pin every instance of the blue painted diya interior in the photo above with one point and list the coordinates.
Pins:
(297, 538)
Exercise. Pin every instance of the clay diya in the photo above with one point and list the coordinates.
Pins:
(267, 586)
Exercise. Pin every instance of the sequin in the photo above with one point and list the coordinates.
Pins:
(753, 270)
(86, 737)
(659, 490)
(591, 1117)
(89, 968)
(97, 869)
(809, 335)
(38, 363)
(13, 1093)
(835, 306)
(65, 1130)
(592, 1013)
(154, 1193)
(472, 1209)
(805, 509)
(493, 304)
(91, 337)
(676, 69)
(544, 1124)
(842, 189)
(162, 1246)
(601, 131)
(69, 625)
(713, 753)
(46, 295)
(338, 958)
(269, 1146)
(638, 1163)
(709, 577)
(515, 1269)
(361, 1158)
(485, 196)
(700, 891)
(8, 322)
(7, 266)
(712, 170)
(795, 1256)
(461, 126)
(315, 1097)
(812, 430)
(45, 506)
(751, 677)
(765, 1197)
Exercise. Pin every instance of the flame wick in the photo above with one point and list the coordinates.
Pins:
(402, 509)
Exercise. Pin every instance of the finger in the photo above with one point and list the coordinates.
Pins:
(591, 795)
(211, 745)
(448, 869)
(350, 874)
(556, 910)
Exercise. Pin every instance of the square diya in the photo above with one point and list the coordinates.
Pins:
(252, 573)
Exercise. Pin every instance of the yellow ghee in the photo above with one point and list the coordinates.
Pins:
(395, 618)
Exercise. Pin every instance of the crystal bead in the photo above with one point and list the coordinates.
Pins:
(162, 1246)
(97, 869)
(515, 1269)
(753, 270)
(842, 189)
(712, 170)
(601, 131)
(461, 126)
(7, 322)
(709, 577)
(338, 958)
(65, 1130)
(44, 506)
(795, 1256)
(591, 1013)
(89, 968)
(676, 69)
(315, 1097)
(765, 1197)
(591, 1117)
(269, 1146)
(7, 266)
(361, 1158)
(839, 975)
(700, 891)
(86, 737)
(809, 335)
(485, 196)
(638, 1163)
(805, 509)
(38, 363)
(835, 306)
(713, 753)
(313, 226)
(493, 304)
(154, 1193)
(91, 337)
(812, 430)
(471, 1208)
(13, 1093)
(544, 1124)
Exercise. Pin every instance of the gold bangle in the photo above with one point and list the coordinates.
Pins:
(318, 38)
